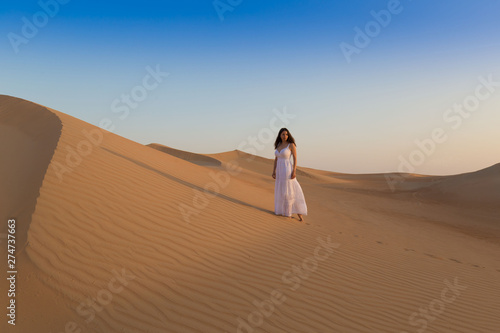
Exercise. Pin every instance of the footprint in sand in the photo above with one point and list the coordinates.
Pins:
(380, 242)
(455, 260)
(433, 256)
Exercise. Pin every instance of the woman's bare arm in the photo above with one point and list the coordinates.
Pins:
(294, 153)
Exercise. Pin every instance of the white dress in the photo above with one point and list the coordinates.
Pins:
(288, 195)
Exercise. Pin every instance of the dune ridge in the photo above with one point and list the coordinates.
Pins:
(28, 138)
(198, 159)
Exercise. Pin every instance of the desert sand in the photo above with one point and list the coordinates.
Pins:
(116, 236)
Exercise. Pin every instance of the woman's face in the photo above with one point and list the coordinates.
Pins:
(284, 136)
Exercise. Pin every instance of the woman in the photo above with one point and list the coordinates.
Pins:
(288, 196)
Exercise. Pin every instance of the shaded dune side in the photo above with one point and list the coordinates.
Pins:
(28, 138)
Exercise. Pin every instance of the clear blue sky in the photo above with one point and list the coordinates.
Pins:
(230, 65)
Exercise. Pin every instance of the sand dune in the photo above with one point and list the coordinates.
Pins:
(125, 238)
(481, 188)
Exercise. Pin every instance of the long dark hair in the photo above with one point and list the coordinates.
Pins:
(278, 138)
